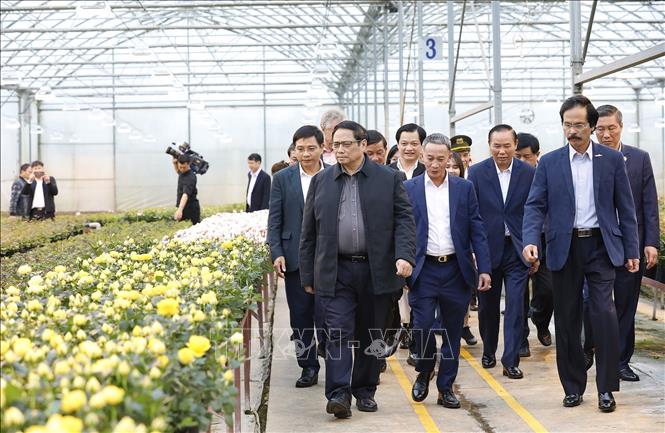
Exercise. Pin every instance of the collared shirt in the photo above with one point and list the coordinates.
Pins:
(504, 182)
(252, 181)
(306, 179)
(439, 235)
(328, 156)
(409, 173)
(350, 224)
(581, 166)
(38, 199)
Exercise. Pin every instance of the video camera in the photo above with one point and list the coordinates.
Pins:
(196, 162)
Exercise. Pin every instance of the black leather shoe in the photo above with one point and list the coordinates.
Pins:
(544, 336)
(421, 386)
(366, 404)
(572, 400)
(412, 360)
(606, 402)
(588, 360)
(525, 352)
(628, 375)
(513, 372)
(340, 406)
(448, 399)
(309, 377)
(468, 337)
(488, 361)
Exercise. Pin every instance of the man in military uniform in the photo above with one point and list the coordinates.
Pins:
(461, 144)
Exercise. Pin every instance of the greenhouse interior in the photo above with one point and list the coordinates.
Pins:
(117, 316)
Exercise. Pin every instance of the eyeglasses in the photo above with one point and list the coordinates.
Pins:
(344, 144)
(575, 126)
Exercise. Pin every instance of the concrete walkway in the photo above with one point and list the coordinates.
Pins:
(490, 402)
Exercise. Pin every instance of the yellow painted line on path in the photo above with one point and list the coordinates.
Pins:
(419, 408)
(531, 421)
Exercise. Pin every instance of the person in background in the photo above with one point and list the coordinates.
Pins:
(258, 185)
(393, 155)
(627, 284)
(448, 228)
(287, 200)
(461, 144)
(40, 190)
(455, 167)
(187, 202)
(502, 185)
(354, 267)
(329, 120)
(377, 147)
(279, 165)
(542, 306)
(293, 160)
(409, 141)
(18, 201)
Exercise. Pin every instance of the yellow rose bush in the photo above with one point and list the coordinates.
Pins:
(131, 338)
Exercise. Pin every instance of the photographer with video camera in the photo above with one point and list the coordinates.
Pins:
(187, 203)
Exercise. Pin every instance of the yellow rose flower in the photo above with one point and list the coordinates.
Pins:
(167, 307)
(13, 417)
(24, 269)
(222, 360)
(34, 305)
(79, 320)
(113, 394)
(236, 338)
(163, 361)
(156, 346)
(198, 316)
(199, 345)
(186, 355)
(125, 425)
(22, 346)
(73, 401)
(63, 424)
(228, 376)
(97, 401)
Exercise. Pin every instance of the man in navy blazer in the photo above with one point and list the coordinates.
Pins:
(583, 191)
(258, 185)
(287, 201)
(448, 229)
(627, 284)
(502, 185)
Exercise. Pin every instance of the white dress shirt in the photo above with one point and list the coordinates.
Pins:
(252, 182)
(38, 199)
(504, 182)
(409, 173)
(581, 166)
(439, 235)
(306, 179)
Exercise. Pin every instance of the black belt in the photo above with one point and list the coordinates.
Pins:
(587, 233)
(441, 259)
(38, 208)
(353, 258)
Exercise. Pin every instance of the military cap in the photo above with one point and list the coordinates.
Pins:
(460, 143)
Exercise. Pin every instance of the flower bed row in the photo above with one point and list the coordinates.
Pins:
(18, 236)
(142, 337)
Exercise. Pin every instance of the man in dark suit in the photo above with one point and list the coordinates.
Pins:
(40, 191)
(448, 229)
(541, 307)
(287, 200)
(583, 191)
(627, 284)
(502, 186)
(357, 246)
(409, 142)
(258, 185)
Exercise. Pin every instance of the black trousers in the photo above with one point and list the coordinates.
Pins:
(192, 212)
(588, 260)
(354, 318)
(541, 306)
(301, 317)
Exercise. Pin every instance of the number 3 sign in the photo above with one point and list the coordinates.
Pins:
(432, 48)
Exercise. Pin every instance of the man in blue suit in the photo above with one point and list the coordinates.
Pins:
(583, 191)
(448, 229)
(502, 185)
(627, 284)
(287, 201)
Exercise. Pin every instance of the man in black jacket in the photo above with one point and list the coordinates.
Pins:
(40, 190)
(258, 185)
(18, 201)
(356, 248)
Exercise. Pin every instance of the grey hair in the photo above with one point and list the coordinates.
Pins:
(331, 116)
(437, 138)
(609, 110)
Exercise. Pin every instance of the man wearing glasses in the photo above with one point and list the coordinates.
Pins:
(583, 191)
(357, 246)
